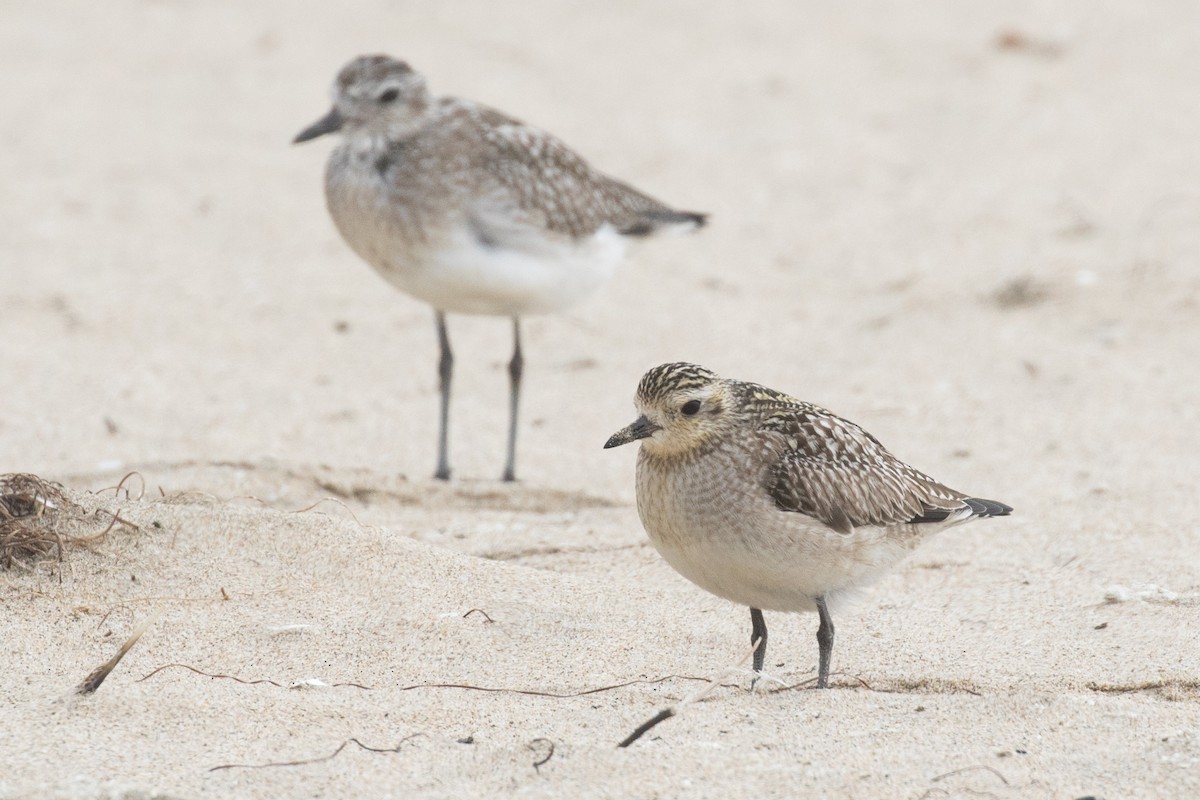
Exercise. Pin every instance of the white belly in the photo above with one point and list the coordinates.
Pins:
(782, 575)
(739, 546)
(461, 252)
(464, 275)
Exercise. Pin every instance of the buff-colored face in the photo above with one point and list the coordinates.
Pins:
(682, 406)
(372, 95)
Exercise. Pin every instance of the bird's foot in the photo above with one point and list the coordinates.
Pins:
(764, 677)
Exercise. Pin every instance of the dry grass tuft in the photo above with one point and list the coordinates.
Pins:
(37, 517)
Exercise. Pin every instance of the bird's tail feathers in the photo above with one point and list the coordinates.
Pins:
(987, 508)
(972, 508)
(657, 220)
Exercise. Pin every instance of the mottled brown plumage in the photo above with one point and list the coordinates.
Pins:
(773, 502)
(470, 210)
(834, 471)
(467, 208)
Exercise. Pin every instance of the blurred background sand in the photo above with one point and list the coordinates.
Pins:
(975, 230)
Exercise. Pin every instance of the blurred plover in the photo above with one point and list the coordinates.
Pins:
(470, 210)
(774, 503)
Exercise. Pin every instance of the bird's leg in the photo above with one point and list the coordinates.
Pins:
(445, 368)
(758, 633)
(824, 643)
(515, 367)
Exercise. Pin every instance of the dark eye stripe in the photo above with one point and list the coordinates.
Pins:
(690, 407)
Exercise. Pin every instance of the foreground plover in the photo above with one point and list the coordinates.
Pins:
(470, 210)
(775, 503)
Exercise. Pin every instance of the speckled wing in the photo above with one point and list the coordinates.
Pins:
(834, 471)
(544, 178)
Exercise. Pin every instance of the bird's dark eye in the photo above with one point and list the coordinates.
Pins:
(690, 408)
(389, 95)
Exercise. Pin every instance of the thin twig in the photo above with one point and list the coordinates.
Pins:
(549, 754)
(121, 485)
(239, 680)
(539, 693)
(306, 509)
(667, 713)
(319, 759)
(467, 686)
(92, 682)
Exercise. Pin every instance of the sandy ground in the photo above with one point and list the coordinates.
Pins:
(972, 228)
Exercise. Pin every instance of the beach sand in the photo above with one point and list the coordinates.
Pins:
(973, 229)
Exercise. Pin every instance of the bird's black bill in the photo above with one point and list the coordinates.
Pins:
(327, 124)
(639, 429)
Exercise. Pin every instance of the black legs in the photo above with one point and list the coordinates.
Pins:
(758, 633)
(515, 366)
(445, 368)
(824, 643)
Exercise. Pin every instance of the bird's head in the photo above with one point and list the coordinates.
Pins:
(373, 96)
(684, 409)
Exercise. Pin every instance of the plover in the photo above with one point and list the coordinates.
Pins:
(470, 210)
(774, 503)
